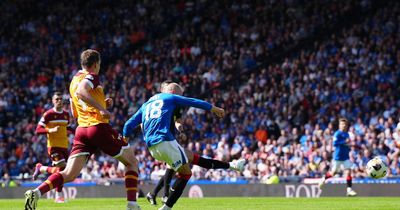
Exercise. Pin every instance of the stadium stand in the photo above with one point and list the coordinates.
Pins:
(282, 98)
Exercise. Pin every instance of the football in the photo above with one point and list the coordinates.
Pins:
(376, 168)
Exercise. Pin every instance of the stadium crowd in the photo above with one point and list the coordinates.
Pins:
(280, 117)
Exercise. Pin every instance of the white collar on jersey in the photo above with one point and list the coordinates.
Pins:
(55, 110)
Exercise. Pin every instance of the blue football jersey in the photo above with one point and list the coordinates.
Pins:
(156, 115)
(341, 148)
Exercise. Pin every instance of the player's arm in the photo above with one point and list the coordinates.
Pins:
(83, 93)
(41, 127)
(348, 141)
(73, 108)
(178, 121)
(131, 124)
(179, 125)
(109, 103)
(193, 102)
(180, 128)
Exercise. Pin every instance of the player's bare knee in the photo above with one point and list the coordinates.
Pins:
(185, 170)
(129, 160)
(73, 168)
(185, 175)
(132, 162)
(68, 175)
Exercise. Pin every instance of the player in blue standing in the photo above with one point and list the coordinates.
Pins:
(155, 116)
(341, 160)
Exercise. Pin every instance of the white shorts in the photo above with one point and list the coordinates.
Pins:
(170, 152)
(341, 165)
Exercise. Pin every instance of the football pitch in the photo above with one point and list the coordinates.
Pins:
(230, 203)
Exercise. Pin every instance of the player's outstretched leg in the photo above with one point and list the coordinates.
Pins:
(59, 198)
(164, 199)
(72, 170)
(237, 165)
(165, 182)
(131, 177)
(184, 174)
(31, 199)
(349, 181)
(41, 169)
(324, 178)
(169, 173)
(151, 196)
(32, 196)
(37, 171)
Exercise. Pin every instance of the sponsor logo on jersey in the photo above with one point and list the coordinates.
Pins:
(177, 163)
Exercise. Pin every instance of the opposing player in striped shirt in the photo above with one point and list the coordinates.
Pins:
(54, 123)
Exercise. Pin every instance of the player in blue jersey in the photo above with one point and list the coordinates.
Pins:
(175, 126)
(165, 181)
(155, 116)
(341, 160)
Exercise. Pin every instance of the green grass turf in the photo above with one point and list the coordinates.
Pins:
(365, 203)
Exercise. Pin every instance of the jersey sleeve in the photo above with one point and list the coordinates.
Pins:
(132, 123)
(43, 120)
(93, 80)
(41, 127)
(185, 101)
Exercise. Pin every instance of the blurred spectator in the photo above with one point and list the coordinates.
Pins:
(280, 115)
(7, 181)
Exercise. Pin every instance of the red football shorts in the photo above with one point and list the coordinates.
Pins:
(57, 154)
(101, 136)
